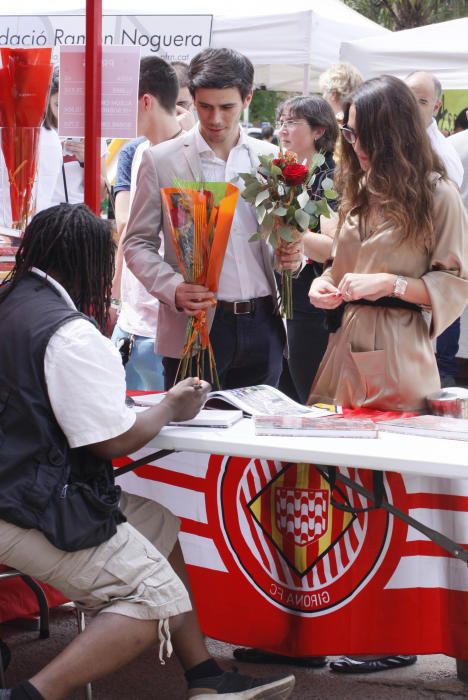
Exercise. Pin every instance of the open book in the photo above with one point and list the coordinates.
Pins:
(428, 426)
(310, 426)
(252, 401)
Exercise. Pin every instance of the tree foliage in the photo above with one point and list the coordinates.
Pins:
(263, 106)
(406, 14)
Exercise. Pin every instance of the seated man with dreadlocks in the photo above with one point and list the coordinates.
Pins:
(62, 519)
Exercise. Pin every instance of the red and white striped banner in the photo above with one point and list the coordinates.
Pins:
(273, 564)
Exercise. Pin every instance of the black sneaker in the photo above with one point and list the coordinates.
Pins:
(236, 686)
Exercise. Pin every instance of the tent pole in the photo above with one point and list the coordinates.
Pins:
(306, 80)
(93, 59)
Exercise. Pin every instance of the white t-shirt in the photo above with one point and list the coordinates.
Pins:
(139, 312)
(82, 365)
(447, 153)
(74, 175)
(243, 274)
(49, 168)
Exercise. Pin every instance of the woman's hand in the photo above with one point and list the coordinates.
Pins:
(369, 286)
(324, 295)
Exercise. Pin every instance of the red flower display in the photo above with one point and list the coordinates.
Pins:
(24, 87)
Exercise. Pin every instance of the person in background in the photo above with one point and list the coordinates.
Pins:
(184, 105)
(247, 334)
(62, 518)
(69, 186)
(401, 248)
(337, 83)
(428, 91)
(461, 122)
(137, 321)
(268, 134)
(49, 162)
(459, 141)
(307, 126)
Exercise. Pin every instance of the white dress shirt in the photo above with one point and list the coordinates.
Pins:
(460, 144)
(447, 153)
(243, 273)
(85, 381)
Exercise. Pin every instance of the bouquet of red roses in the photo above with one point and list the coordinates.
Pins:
(279, 192)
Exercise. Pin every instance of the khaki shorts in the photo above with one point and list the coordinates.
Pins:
(129, 574)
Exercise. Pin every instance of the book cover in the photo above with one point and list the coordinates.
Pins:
(428, 426)
(310, 426)
(210, 418)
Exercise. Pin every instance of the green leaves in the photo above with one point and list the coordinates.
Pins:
(302, 219)
(303, 199)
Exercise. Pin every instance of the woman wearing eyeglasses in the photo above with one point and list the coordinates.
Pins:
(399, 252)
(307, 126)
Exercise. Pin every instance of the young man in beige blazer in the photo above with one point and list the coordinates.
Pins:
(247, 333)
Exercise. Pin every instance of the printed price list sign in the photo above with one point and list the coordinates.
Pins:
(120, 74)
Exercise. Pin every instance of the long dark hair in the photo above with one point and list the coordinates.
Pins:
(70, 242)
(392, 135)
(317, 113)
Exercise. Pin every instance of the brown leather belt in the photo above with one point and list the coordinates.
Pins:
(247, 306)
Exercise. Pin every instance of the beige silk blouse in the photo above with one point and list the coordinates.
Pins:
(382, 358)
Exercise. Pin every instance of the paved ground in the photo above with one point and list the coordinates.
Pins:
(432, 678)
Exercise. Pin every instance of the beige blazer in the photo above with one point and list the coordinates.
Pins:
(147, 228)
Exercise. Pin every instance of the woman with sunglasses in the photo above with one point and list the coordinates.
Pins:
(399, 252)
(307, 126)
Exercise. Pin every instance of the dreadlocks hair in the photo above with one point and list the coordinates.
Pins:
(71, 242)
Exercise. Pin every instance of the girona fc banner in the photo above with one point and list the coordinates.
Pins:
(275, 563)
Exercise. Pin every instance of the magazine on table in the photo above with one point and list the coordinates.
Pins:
(428, 426)
(310, 426)
(252, 401)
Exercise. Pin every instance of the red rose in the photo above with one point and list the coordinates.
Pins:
(278, 162)
(295, 173)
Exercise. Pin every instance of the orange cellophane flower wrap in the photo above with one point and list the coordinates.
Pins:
(24, 88)
(200, 216)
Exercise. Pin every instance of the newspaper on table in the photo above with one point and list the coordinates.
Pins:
(252, 401)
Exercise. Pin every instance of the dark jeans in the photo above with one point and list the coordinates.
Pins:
(307, 339)
(446, 350)
(248, 349)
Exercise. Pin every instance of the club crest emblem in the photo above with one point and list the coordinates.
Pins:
(294, 539)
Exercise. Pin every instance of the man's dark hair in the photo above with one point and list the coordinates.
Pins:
(182, 71)
(71, 243)
(221, 68)
(159, 79)
(461, 121)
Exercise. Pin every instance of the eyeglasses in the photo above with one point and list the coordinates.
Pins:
(349, 134)
(289, 123)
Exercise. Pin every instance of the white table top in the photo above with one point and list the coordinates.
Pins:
(389, 452)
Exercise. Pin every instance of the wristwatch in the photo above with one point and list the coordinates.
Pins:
(399, 286)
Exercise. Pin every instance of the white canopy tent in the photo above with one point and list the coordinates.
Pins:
(289, 48)
(439, 48)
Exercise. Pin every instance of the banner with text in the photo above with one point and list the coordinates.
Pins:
(172, 37)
